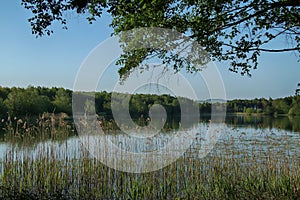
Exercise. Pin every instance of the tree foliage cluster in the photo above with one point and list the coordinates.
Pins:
(234, 31)
(34, 101)
(37, 100)
(139, 104)
(288, 105)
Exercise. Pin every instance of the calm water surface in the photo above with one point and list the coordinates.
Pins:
(239, 136)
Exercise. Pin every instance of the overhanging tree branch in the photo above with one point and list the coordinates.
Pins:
(262, 49)
(260, 12)
(212, 23)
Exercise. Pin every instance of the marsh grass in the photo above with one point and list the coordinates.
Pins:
(25, 131)
(51, 173)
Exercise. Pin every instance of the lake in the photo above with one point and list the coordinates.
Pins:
(241, 134)
(254, 157)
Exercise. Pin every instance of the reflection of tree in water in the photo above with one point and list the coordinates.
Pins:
(289, 123)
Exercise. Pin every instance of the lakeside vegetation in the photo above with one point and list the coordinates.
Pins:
(253, 172)
(34, 101)
(269, 169)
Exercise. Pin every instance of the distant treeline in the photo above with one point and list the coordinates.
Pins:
(287, 106)
(37, 100)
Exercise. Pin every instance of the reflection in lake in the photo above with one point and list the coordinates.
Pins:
(289, 123)
(252, 156)
(244, 135)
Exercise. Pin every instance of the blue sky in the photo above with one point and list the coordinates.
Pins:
(54, 61)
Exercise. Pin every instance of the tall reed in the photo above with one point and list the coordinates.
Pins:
(251, 172)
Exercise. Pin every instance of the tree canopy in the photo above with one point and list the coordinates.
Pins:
(235, 31)
(33, 101)
(297, 91)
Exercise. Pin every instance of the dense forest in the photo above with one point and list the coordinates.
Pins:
(33, 101)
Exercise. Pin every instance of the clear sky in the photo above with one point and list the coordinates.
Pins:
(54, 61)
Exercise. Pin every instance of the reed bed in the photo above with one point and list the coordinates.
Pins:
(72, 173)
